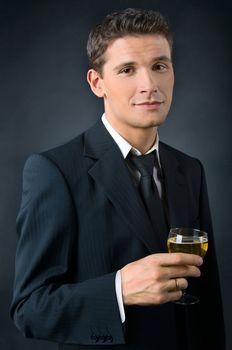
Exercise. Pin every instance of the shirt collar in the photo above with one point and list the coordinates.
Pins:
(123, 145)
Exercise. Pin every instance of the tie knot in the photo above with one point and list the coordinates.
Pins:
(144, 163)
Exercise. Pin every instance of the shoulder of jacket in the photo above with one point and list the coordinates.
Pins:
(179, 154)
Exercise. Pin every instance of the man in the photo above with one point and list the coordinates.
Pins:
(92, 267)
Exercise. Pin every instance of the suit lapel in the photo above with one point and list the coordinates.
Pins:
(111, 174)
(175, 184)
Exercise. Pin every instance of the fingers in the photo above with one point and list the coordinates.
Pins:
(175, 289)
(170, 259)
(174, 296)
(177, 284)
(182, 271)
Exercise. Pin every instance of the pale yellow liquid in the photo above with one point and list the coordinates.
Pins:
(192, 246)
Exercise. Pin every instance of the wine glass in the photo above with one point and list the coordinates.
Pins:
(191, 241)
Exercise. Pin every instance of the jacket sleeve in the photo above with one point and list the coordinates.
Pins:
(47, 302)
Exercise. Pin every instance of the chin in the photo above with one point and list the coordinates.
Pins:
(153, 123)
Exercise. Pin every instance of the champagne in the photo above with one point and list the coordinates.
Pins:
(190, 245)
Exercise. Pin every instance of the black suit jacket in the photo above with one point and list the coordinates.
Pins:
(81, 219)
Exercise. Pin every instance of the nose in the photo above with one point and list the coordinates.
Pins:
(147, 82)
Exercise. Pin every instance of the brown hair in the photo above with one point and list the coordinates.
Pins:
(122, 23)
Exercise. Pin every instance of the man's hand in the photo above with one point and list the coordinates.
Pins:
(154, 279)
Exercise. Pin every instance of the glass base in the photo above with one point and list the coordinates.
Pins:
(187, 299)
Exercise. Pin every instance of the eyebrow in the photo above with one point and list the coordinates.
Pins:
(132, 63)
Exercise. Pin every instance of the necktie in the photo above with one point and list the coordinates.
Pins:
(147, 186)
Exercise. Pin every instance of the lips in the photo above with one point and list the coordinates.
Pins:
(148, 103)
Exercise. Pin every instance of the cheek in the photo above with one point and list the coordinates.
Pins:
(118, 95)
(168, 86)
(112, 91)
(171, 82)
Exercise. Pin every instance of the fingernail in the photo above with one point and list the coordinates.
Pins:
(200, 261)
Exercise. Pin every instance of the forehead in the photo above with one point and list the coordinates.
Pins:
(136, 48)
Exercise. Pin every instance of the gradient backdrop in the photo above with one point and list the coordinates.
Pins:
(45, 101)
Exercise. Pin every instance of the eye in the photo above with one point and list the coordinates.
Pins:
(160, 67)
(126, 70)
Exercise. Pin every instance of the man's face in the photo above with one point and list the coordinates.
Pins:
(137, 81)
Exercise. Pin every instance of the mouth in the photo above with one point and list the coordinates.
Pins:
(149, 105)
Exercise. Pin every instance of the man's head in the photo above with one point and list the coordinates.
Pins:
(123, 23)
(131, 69)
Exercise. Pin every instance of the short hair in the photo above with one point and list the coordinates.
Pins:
(120, 24)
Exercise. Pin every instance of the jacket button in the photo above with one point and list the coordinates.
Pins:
(110, 339)
(94, 338)
(103, 338)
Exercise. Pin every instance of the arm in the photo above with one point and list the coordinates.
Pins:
(48, 301)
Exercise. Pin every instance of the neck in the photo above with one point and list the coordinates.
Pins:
(140, 138)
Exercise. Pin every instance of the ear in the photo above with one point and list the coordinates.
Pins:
(96, 82)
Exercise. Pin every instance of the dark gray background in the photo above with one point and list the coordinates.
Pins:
(45, 101)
